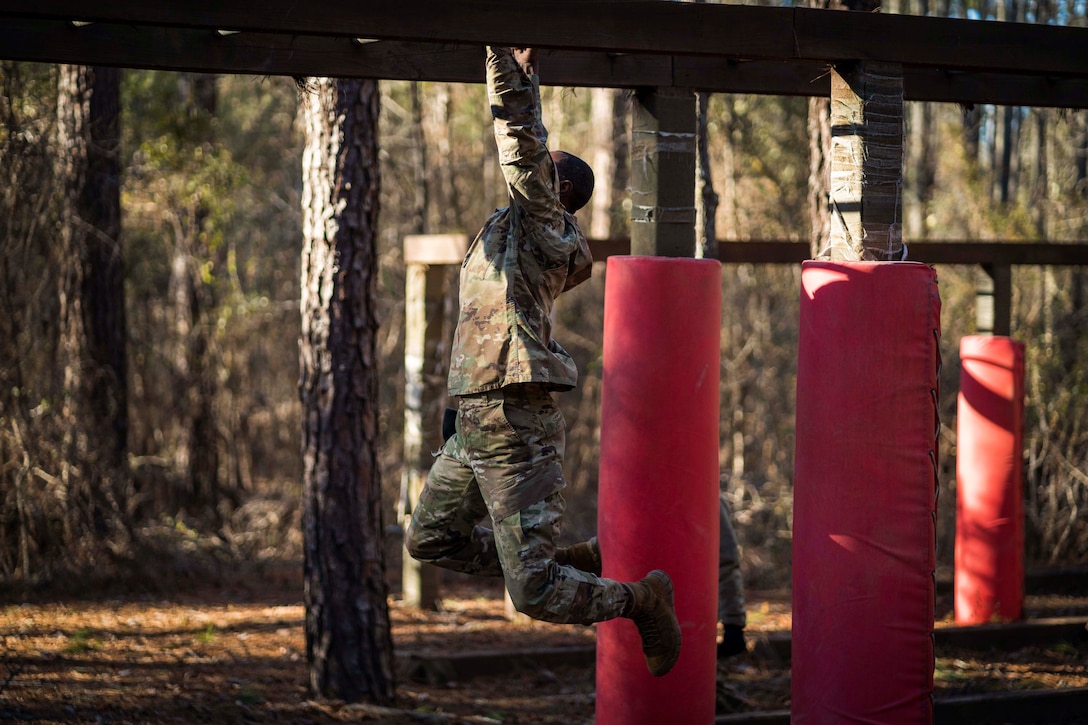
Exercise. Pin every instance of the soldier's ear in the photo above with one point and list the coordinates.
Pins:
(566, 188)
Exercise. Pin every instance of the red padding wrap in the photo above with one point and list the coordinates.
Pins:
(989, 480)
(658, 489)
(864, 502)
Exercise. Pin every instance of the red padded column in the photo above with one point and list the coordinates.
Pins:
(865, 493)
(989, 480)
(658, 490)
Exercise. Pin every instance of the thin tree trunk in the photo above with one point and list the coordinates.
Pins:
(92, 303)
(421, 201)
(706, 199)
(602, 107)
(1003, 154)
(819, 173)
(449, 202)
(923, 163)
(348, 642)
(204, 479)
(972, 132)
(1080, 151)
(621, 163)
(729, 171)
(196, 452)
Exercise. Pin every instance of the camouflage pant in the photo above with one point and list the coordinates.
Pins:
(492, 506)
(730, 583)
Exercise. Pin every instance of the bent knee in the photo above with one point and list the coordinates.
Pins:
(531, 594)
(419, 545)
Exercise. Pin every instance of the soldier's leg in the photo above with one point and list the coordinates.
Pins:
(519, 468)
(730, 582)
(731, 612)
(538, 585)
(514, 440)
(585, 555)
(545, 590)
(448, 526)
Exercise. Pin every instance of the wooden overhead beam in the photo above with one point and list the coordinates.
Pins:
(183, 49)
(628, 26)
(999, 253)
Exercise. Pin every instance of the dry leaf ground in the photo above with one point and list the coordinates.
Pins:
(237, 655)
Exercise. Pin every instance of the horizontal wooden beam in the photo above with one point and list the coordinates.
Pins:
(931, 252)
(623, 26)
(184, 49)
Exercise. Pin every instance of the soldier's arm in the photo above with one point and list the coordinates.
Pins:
(514, 93)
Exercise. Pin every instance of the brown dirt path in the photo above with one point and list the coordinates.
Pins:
(238, 656)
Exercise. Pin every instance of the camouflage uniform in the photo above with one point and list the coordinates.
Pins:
(730, 583)
(492, 504)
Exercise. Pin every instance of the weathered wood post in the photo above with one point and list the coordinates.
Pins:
(430, 278)
(866, 163)
(663, 172)
(866, 450)
(993, 300)
(654, 401)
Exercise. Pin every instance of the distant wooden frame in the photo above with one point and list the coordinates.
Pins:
(1000, 253)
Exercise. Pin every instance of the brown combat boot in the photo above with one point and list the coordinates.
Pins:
(585, 556)
(655, 616)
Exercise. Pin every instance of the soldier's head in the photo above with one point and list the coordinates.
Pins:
(575, 180)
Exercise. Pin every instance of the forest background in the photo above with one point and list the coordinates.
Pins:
(211, 178)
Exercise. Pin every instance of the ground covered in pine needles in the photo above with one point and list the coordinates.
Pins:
(236, 654)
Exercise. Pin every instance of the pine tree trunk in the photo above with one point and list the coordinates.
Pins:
(196, 448)
(1080, 151)
(706, 199)
(729, 171)
(92, 302)
(923, 161)
(621, 163)
(348, 642)
(421, 185)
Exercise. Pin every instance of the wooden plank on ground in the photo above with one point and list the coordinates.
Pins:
(1053, 707)
(1010, 708)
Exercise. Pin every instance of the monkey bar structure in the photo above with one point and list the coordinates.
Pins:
(621, 44)
(868, 63)
(648, 46)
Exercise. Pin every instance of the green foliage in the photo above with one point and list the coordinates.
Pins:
(82, 640)
(207, 636)
(212, 193)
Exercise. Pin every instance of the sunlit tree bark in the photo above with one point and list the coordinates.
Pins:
(92, 301)
(348, 642)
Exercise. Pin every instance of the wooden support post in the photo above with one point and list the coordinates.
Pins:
(429, 291)
(866, 162)
(663, 172)
(984, 302)
(993, 300)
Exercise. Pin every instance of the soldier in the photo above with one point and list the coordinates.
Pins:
(492, 503)
(731, 612)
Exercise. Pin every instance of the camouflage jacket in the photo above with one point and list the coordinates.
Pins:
(524, 257)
